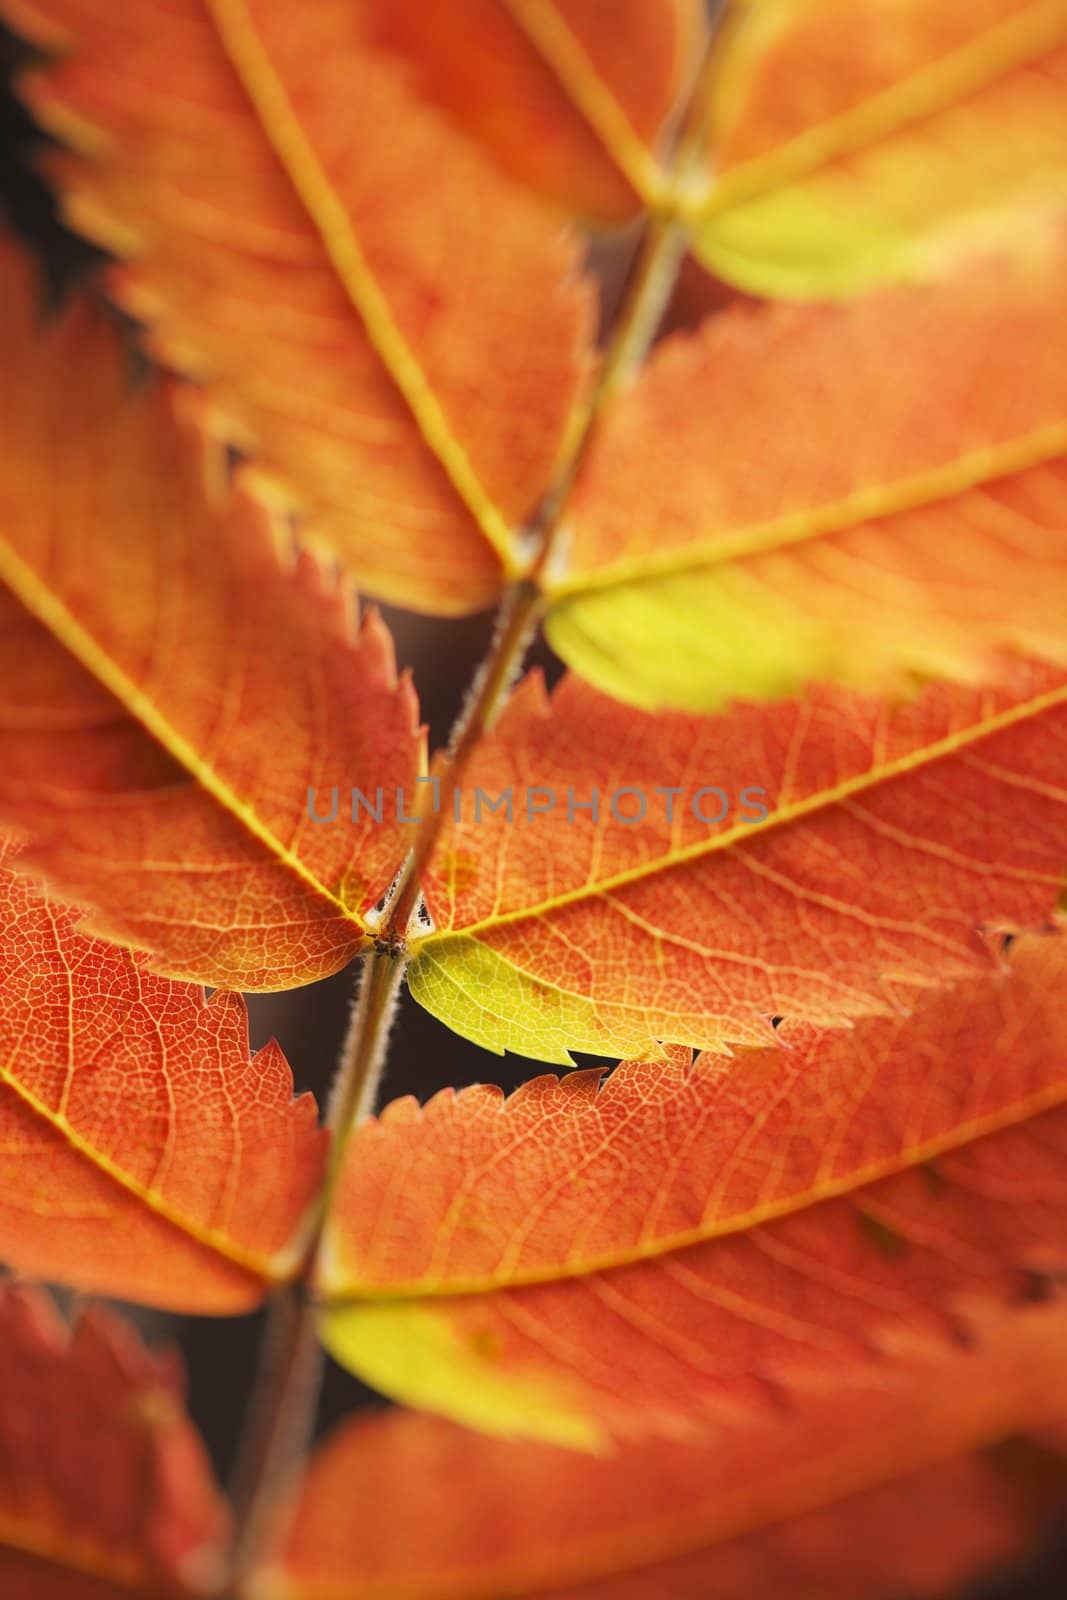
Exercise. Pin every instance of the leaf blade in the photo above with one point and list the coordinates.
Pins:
(692, 1242)
(106, 1488)
(146, 1154)
(154, 629)
(895, 154)
(561, 932)
(789, 1507)
(575, 99)
(920, 545)
(352, 224)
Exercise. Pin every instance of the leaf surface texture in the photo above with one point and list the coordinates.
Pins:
(304, 235)
(862, 141)
(144, 1153)
(106, 1490)
(155, 634)
(893, 833)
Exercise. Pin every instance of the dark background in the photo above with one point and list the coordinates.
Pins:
(309, 1023)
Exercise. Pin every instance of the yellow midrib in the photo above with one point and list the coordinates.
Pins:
(964, 1134)
(914, 761)
(212, 1239)
(285, 134)
(967, 472)
(972, 67)
(557, 46)
(64, 626)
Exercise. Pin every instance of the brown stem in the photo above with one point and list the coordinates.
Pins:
(287, 1383)
(279, 1425)
(517, 621)
(651, 284)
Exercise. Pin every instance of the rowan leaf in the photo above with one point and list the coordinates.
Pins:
(688, 1238)
(576, 92)
(155, 635)
(838, 1500)
(889, 836)
(306, 236)
(858, 141)
(105, 1487)
(143, 1152)
(813, 494)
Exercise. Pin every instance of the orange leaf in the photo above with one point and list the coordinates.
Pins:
(154, 640)
(311, 240)
(105, 1487)
(569, 95)
(691, 1238)
(810, 494)
(764, 109)
(840, 1500)
(891, 834)
(143, 1152)
(860, 141)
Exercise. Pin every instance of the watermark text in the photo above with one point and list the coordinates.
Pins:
(628, 805)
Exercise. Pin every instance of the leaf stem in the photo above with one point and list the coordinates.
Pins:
(517, 621)
(278, 1430)
(650, 287)
(362, 1057)
(282, 1412)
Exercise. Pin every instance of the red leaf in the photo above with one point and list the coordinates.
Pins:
(143, 1152)
(840, 1500)
(568, 95)
(310, 239)
(691, 1239)
(157, 636)
(105, 1486)
(891, 835)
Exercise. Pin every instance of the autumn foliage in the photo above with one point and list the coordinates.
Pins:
(768, 1301)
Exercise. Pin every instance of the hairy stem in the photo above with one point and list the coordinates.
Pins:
(289, 1377)
(362, 1057)
(517, 621)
